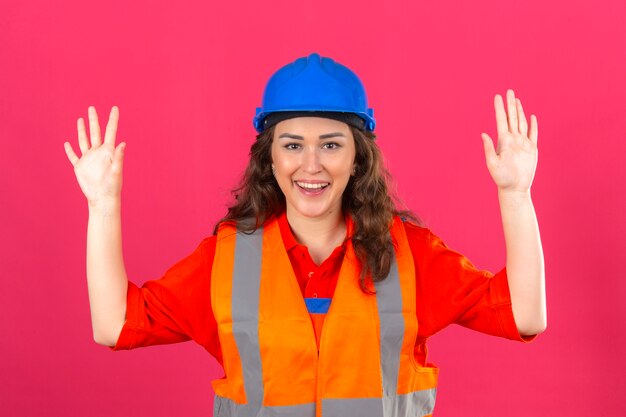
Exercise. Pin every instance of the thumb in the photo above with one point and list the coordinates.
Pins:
(490, 152)
(118, 161)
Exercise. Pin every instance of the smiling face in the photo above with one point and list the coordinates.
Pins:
(313, 158)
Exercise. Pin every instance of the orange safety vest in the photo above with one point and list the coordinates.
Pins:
(365, 365)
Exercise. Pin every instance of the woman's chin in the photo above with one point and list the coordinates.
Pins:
(313, 211)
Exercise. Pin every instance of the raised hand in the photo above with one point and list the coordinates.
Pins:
(512, 165)
(99, 169)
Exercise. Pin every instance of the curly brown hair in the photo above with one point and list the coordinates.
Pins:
(367, 199)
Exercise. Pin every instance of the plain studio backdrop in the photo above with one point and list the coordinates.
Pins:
(187, 77)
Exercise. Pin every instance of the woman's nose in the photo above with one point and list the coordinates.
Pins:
(311, 161)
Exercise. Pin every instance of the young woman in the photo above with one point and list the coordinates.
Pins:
(313, 222)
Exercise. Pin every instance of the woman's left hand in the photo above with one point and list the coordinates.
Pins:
(512, 165)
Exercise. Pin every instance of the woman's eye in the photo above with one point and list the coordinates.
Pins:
(331, 145)
(292, 146)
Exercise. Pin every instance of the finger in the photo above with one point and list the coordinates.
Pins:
(111, 130)
(490, 153)
(501, 122)
(512, 111)
(70, 153)
(118, 161)
(523, 125)
(533, 133)
(94, 127)
(83, 140)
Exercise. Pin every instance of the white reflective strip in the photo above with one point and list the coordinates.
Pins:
(418, 403)
(245, 312)
(361, 407)
(389, 301)
(414, 404)
(225, 407)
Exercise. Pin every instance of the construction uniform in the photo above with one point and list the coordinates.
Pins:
(241, 297)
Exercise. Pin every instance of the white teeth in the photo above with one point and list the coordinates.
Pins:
(311, 186)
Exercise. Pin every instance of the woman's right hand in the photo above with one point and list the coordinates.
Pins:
(99, 169)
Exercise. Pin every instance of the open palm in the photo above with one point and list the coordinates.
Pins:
(513, 163)
(99, 169)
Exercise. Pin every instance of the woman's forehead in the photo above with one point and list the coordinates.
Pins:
(311, 125)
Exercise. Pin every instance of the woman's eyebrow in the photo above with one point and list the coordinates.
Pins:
(324, 136)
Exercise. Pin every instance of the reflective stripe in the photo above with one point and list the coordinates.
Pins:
(418, 403)
(389, 301)
(362, 407)
(414, 404)
(225, 407)
(245, 313)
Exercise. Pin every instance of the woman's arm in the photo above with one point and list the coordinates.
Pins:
(512, 166)
(524, 261)
(99, 174)
(106, 274)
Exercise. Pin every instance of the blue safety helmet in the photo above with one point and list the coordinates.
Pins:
(318, 86)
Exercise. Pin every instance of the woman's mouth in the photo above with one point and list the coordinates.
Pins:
(309, 188)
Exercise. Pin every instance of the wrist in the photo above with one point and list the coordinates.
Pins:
(514, 200)
(517, 194)
(104, 207)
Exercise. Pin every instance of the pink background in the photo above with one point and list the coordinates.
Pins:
(187, 77)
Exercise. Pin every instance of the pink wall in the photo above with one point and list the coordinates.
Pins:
(187, 80)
